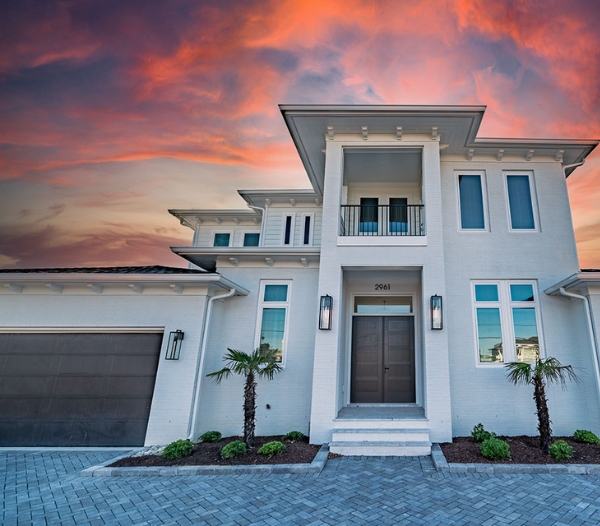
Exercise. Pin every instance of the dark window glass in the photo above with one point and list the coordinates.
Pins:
(519, 199)
(398, 209)
(251, 240)
(288, 230)
(471, 201)
(306, 239)
(221, 240)
(368, 209)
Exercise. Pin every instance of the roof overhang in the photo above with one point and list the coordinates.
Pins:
(177, 282)
(576, 281)
(194, 218)
(208, 257)
(262, 198)
(454, 127)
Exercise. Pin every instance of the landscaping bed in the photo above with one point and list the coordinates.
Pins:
(523, 450)
(207, 454)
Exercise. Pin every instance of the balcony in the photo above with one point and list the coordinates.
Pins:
(382, 220)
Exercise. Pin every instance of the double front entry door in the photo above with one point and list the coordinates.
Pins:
(383, 359)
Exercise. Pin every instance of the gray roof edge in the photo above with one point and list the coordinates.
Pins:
(580, 278)
(377, 108)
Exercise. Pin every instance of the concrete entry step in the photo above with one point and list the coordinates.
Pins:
(380, 434)
(387, 449)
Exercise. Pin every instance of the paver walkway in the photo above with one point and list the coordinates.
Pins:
(46, 488)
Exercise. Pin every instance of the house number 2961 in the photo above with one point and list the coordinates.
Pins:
(382, 286)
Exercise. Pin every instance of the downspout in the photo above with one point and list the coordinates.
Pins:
(263, 222)
(200, 366)
(587, 309)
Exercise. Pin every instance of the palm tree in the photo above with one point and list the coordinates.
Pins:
(548, 370)
(260, 363)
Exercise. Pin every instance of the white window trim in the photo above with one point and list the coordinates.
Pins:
(292, 229)
(484, 198)
(243, 235)
(534, 207)
(212, 238)
(276, 305)
(505, 306)
(311, 231)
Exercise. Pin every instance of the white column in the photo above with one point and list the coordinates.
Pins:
(327, 343)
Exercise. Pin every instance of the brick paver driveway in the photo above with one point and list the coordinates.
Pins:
(46, 488)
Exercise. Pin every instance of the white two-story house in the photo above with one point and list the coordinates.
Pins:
(422, 261)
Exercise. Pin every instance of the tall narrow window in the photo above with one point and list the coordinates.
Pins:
(288, 230)
(398, 215)
(273, 317)
(307, 229)
(519, 201)
(251, 239)
(506, 316)
(472, 215)
(221, 239)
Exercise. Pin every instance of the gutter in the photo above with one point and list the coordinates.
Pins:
(263, 222)
(574, 165)
(200, 362)
(587, 309)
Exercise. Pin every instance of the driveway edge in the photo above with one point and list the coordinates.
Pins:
(442, 465)
(101, 470)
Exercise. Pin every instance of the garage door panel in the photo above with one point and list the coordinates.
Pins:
(89, 389)
(28, 364)
(18, 386)
(79, 386)
(124, 386)
(133, 365)
(78, 364)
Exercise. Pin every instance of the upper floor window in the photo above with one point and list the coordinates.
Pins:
(520, 202)
(507, 321)
(471, 201)
(288, 229)
(221, 239)
(251, 239)
(273, 316)
(307, 229)
(369, 214)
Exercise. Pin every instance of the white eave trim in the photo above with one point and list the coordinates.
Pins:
(581, 279)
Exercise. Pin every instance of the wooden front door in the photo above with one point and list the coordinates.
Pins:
(383, 359)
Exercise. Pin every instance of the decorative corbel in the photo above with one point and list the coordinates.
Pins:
(499, 155)
(470, 154)
(55, 287)
(434, 132)
(95, 287)
(15, 287)
(330, 135)
(399, 133)
(365, 132)
(136, 287)
(176, 287)
(234, 261)
(529, 155)
(269, 262)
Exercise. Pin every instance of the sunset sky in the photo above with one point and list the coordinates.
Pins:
(111, 112)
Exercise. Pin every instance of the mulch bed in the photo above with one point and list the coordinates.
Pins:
(206, 454)
(523, 450)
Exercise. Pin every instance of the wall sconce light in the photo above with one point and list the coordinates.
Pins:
(325, 312)
(174, 345)
(436, 313)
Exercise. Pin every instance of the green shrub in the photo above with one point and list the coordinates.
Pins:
(479, 434)
(560, 450)
(233, 449)
(294, 436)
(495, 449)
(271, 448)
(211, 436)
(586, 437)
(178, 449)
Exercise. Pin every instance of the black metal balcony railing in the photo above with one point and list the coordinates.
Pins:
(382, 220)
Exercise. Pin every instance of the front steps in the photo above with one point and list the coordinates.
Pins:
(381, 435)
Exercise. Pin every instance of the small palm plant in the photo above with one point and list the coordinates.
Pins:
(260, 363)
(537, 374)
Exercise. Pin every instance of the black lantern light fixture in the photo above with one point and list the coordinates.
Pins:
(174, 345)
(436, 313)
(325, 312)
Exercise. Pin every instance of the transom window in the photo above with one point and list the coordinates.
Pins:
(382, 305)
(272, 319)
(507, 321)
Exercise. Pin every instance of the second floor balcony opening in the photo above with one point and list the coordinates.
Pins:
(371, 219)
(382, 191)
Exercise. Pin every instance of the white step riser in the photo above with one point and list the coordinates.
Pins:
(379, 436)
(380, 424)
(380, 451)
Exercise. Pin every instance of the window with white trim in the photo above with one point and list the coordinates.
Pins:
(287, 234)
(471, 201)
(507, 321)
(307, 229)
(273, 316)
(251, 239)
(520, 198)
(222, 239)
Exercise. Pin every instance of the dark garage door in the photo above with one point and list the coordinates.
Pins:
(84, 389)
